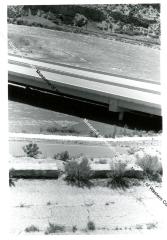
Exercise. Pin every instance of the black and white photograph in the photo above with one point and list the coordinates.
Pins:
(85, 118)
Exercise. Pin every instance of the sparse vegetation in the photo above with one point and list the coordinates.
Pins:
(31, 228)
(139, 226)
(54, 228)
(22, 205)
(63, 130)
(31, 150)
(78, 173)
(151, 225)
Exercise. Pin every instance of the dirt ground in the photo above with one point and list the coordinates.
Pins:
(38, 202)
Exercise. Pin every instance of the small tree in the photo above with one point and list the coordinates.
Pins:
(32, 150)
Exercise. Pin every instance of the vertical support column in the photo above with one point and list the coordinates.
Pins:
(113, 105)
(121, 116)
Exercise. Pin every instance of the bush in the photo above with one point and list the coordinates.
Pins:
(23, 42)
(91, 226)
(132, 150)
(117, 175)
(54, 228)
(74, 228)
(11, 182)
(11, 179)
(80, 20)
(52, 129)
(151, 166)
(102, 161)
(78, 173)
(32, 150)
(64, 156)
(93, 134)
(19, 21)
(32, 228)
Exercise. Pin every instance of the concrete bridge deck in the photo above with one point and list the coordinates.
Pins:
(119, 92)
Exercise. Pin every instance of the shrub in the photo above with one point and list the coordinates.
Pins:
(64, 156)
(19, 21)
(52, 129)
(11, 179)
(151, 225)
(74, 228)
(132, 150)
(151, 166)
(80, 20)
(78, 173)
(31, 149)
(91, 226)
(54, 228)
(139, 226)
(11, 182)
(23, 42)
(93, 134)
(117, 175)
(32, 228)
(102, 161)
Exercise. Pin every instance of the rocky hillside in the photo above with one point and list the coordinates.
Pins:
(136, 19)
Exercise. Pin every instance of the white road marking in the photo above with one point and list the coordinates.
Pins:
(78, 138)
